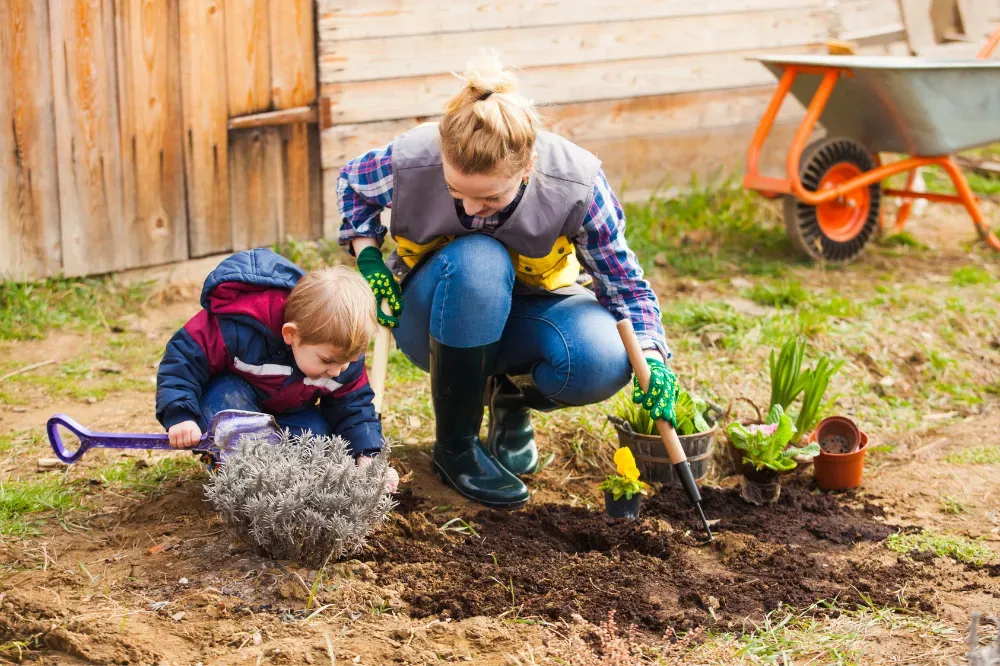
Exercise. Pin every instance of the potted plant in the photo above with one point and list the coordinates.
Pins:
(623, 491)
(766, 456)
(697, 423)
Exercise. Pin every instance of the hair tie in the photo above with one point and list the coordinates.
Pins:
(485, 95)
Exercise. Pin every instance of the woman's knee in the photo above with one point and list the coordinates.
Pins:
(594, 360)
(480, 264)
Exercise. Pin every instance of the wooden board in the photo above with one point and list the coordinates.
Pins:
(387, 58)
(609, 119)
(206, 160)
(256, 187)
(394, 18)
(29, 192)
(152, 132)
(293, 54)
(295, 162)
(248, 61)
(866, 15)
(87, 131)
(426, 95)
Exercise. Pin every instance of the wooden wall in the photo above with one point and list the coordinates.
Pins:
(115, 145)
(660, 89)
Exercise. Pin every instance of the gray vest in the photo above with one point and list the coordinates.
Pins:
(554, 204)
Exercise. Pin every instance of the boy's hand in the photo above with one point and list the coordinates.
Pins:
(660, 398)
(391, 474)
(383, 285)
(184, 435)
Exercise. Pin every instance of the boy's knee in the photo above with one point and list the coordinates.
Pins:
(229, 392)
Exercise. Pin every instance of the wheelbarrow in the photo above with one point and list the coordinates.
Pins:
(927, 109)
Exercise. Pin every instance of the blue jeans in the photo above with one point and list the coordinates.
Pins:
(232, 392)
(463, 296)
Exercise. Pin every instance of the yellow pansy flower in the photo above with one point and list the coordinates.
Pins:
(626, 464)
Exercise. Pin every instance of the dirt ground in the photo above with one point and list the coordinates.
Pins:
(150, 576)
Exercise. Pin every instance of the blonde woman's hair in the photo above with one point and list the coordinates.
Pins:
(333, 306)
(487, 126)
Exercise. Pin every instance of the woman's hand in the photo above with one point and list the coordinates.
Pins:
(383, 284)
(660, 397)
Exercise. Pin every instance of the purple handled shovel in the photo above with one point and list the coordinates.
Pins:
(223, 435)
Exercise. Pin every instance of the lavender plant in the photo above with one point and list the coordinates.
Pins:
(303, 498)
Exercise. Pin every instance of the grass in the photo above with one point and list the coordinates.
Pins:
(20, 499)
(786, 294)
(941, 545)
(137, 476)
(77, 379)
(708, 230)
(971, 275)
(310, 255)
(953, 506)
(30, 310)
(977, 455)
(903, 239)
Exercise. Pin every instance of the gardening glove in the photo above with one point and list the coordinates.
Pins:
(660, 398)
(383, 285)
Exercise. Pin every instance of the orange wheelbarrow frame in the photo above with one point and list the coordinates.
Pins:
(845, 187)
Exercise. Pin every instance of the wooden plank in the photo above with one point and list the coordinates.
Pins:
(670, 160)
(866, 15)
(300, 114)
(315, 184)
(206, 160)
(426, 95)
(608, 119)
(387, 58)
(256, 187)
(293, 54)
(152, 132)
(87, 131)
(29, 189)
(248, 61)
(395, 18)
(298, 216)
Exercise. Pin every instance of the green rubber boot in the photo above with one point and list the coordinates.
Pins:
(458, 381)
(511, 437)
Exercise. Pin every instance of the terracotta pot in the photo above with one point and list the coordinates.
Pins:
(840, 471)
(760, 487)
(838, 435)
(621, 507)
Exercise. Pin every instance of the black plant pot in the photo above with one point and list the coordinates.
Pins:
(760, 487)
(621, 507)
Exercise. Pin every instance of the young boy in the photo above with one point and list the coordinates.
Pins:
(274, 339)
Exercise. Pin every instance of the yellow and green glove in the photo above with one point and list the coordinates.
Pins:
(660, 398)
(383, 285)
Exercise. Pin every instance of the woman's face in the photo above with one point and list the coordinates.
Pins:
(483, 194)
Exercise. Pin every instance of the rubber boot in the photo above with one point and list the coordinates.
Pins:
(511, 437)
(458, 382)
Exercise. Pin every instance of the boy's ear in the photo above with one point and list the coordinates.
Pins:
(290, 333)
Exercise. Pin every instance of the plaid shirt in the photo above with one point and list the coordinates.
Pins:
(364, 188)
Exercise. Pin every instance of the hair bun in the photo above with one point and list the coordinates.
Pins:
(484, 74)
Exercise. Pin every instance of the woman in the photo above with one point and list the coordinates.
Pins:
(494, 219)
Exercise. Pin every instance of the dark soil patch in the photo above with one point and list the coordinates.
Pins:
(553, 561)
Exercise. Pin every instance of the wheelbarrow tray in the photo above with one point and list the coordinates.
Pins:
(915, 106)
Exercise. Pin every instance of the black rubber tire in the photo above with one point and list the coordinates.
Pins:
(800, 219)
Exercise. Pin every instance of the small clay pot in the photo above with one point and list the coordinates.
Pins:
(840, 471)
(838, 435)
(621, 507)
(760, 487)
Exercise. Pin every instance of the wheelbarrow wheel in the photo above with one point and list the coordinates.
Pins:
(836, 231)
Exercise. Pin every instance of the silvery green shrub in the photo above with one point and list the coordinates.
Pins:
(302, 498)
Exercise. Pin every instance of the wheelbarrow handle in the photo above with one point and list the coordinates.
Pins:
(108, 440)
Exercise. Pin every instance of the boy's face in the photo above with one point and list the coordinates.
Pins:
(323, 361)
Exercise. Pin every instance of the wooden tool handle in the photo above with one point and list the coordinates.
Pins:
(638, 360)
(380, 361)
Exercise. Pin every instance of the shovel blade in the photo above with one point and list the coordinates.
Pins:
(228, 427)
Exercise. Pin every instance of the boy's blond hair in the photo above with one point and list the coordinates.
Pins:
(333, 306)
(487, 127)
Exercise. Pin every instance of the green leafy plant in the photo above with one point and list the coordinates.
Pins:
(692, 414)
(626, 482)
(765, 445)
(815, 382)
(787, 381)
